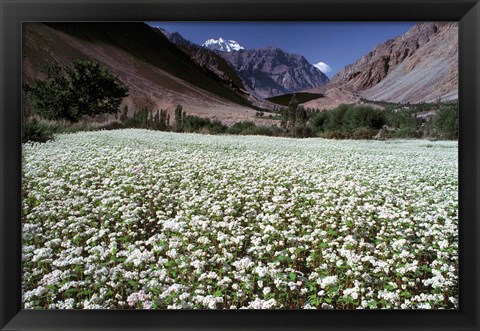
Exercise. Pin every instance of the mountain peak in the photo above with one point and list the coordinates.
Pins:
(222, 45)
(323, 67)
(271, 71)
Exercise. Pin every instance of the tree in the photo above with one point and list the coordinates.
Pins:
(178, 118)
(301, 122)
(292, 112)
(124, 114)
(50, 98)
(446, 121)
(84, 89)
(317, 121)
(336, 118)
(163, 120)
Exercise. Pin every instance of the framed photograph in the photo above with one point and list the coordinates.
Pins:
(243, 164)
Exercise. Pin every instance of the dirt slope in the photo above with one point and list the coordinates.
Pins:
(419, 66)
(157, 73)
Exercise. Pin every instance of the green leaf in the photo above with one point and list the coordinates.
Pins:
(389, 287)
(373, 304)
(405, 294)
(292, 275)
(281, 258)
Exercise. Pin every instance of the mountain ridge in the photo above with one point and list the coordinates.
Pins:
(264, 72)
(418, 66)
(271, 71)
(213, 61)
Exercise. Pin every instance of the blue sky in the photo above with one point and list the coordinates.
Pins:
(334, 43)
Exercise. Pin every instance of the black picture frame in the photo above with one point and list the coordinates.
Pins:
(13, 12)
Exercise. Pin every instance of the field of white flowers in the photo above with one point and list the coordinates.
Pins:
(144, 219)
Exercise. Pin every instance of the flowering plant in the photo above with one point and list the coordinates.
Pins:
(142, 219)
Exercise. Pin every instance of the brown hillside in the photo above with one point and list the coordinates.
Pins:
(419, 66)
(158, 74)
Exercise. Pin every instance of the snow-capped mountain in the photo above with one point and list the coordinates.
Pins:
(271, 71)
(323, 67)
(263, 72)
(223, 45)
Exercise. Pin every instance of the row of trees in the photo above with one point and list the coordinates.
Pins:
(300, 122)
(143, 118)
(160, 120)
(343, 122)
(366, 122)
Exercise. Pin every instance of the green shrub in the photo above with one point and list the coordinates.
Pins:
(84, 89)
(363, 133)
(363, 117)
(386, 133)
(334, 135)
(261, 130)
(302, 131)
(240, 127)
(114, 125)
(402, 119)
(446, 122)
(37, 130)
(344, 120)
(407, 132)
(317, 121)
(216, 127)
(68, 127)
(140, 119)
(336, 119)
(192, 123)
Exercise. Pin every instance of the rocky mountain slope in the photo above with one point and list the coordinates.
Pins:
(210, 60)
(271, 71)
(207, 59)
(419, 66)
(158, 73)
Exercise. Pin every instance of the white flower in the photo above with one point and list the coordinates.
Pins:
(147, 219)
(327, 281)
(261, 304)
(351, 292)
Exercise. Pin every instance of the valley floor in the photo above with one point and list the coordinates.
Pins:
(148, 219)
